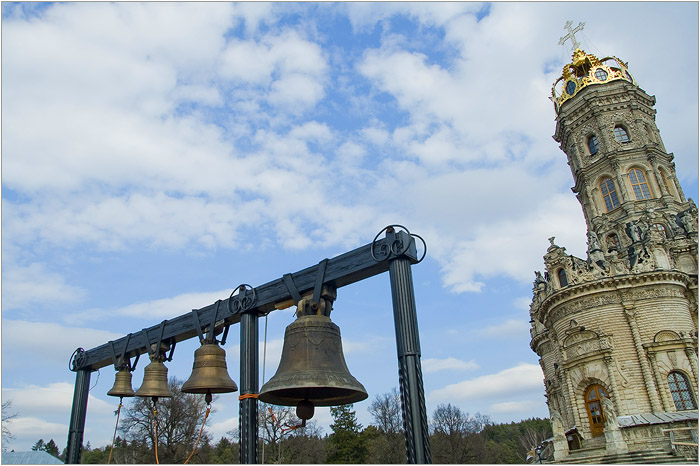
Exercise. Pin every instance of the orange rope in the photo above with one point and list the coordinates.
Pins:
(155, 429)
(200, 434)
(282, 426)
(248, 395)
(115, 431)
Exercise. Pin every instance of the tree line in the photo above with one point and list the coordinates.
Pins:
(455, 436)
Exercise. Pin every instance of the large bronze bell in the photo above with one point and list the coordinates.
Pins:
(312, 370)
(122, 384)
(209, 374)
(155, 379)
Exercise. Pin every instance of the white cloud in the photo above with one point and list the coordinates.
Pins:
(24, 286)
(430, 365)
(171, 307)
(36, 428)
(40, 345)
(512, 381)
(512, 407)
(222, 428)
(506, 329)
(55, 398)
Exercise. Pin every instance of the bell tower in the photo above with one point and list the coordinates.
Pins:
(616, 331)
(605, 123)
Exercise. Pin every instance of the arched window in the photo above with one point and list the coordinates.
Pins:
(639, 184)
(614, 241)
(681, 392)
(621, 134)
(660, 228)
(607, 189)
(593, 144)
(563, 281)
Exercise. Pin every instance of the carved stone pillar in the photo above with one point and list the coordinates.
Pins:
(652, 393)
(667, 403)
(693, 359)
(624, 194)
(573, 402)
(613, 382)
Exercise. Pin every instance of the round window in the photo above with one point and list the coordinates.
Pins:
(570, 87)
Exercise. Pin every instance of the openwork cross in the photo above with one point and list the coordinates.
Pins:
(570, 35)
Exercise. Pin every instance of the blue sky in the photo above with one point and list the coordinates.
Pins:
(155, 156)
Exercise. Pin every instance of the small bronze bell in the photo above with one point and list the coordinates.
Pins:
(122, 384)
(312, 370)
(209, 374)
(155, 379)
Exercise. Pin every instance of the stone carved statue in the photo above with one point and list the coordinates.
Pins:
(593, 241)
(557, 423)
(610, 415)
(688, 224)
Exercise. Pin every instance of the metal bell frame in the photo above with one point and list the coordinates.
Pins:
(395, 253)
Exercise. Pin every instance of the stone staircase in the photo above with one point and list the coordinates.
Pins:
(594, 453)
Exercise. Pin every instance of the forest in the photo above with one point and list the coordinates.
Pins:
(455, 436)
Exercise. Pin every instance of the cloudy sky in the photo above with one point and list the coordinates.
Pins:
(155, 156)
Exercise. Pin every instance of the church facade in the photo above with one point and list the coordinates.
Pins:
(617, 331)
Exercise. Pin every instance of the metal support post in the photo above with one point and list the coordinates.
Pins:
(77, 418)
(410, 375)
(248, 417)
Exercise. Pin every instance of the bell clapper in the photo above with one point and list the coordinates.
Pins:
(305, 410)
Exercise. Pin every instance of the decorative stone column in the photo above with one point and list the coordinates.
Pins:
(630, 314)
(613, 382)
(573, 402)
(693, 359)
(667, 403)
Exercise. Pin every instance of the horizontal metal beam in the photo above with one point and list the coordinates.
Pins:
(353, 266)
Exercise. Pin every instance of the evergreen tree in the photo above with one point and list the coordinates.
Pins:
(39, 445)
(346, 444)
(51, 448)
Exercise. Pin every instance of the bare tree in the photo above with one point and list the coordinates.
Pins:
(454, 434)
(178, 423)
(386, 412)
(275, 422)
(6, 420)
(387, 445)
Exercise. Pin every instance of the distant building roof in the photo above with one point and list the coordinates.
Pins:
(28, 457)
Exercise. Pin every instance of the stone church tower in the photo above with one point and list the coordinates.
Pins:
(617, 331)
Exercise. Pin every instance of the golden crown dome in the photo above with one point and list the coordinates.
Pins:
(586, 70)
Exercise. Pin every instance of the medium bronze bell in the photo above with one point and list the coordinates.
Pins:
(312, 370)
(209, 374)
(122, 384)
(155, 379)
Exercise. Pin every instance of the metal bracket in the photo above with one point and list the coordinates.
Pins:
(158, 342)
(122, 361)
(320, 274)
(77, 359)
(212, 327)
(395, 244)
(289, 281)
(242, 302)
(197, 325)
